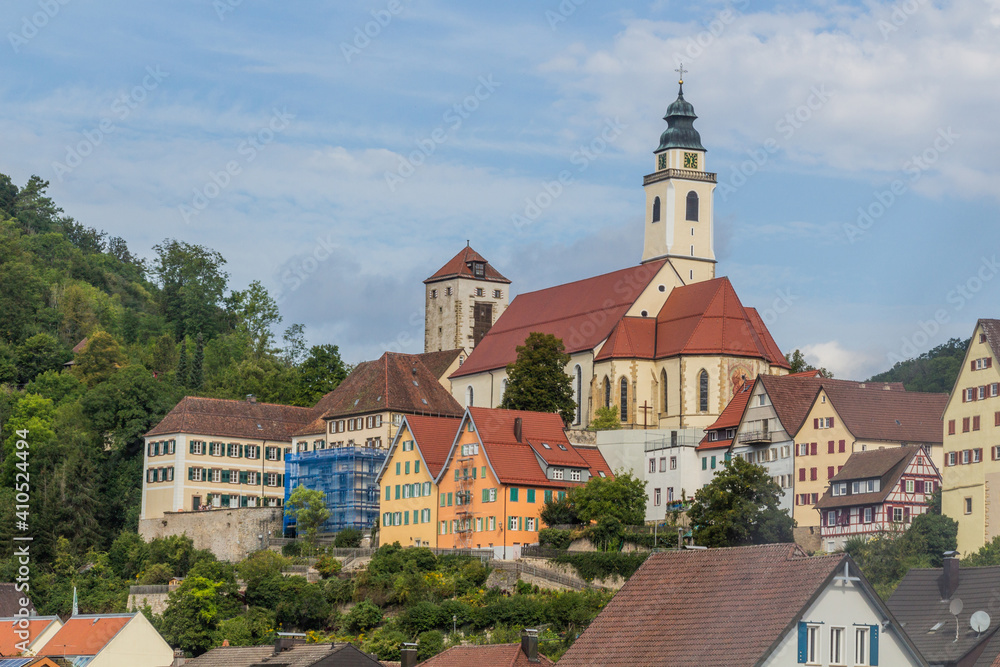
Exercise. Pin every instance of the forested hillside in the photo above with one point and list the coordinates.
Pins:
(154, 332)
(934, 370)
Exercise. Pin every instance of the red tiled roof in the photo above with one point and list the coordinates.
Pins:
(9, 641)
(716, 607)
(581, 313)
(774, 353)
(633, 338)
(594, 459)
(894, 416)
(497, 426)
(887, 464)
(706, 445)
(85, 635)
(439, 362)
(434, 437)
(992, 330)
(488, 655)
(232, 419)
(458, 267)
(730, 418)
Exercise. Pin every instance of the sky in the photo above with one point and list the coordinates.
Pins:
(341, 152)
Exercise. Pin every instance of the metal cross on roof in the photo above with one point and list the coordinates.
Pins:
(847, 575)
(681, 70)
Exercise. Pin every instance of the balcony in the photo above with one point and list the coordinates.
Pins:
(755, 438)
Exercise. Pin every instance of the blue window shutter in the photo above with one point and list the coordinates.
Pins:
(225, 477)
(803, 639)
(873, 646)
(416, 467)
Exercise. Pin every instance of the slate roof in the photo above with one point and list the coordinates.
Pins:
(8, 640)
(232, 419)
(299, 655)
(10, 601)
(716, 607)
(438, 363)
(488, 655)
(581, 313)
(459, 267)
(85, 635)
(434, 437)
(917, 603)
(887, 464)
(992, 330)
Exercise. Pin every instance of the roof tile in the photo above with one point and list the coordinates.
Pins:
(459, 267)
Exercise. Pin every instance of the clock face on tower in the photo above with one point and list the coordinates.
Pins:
(662, 161)
(690, 160)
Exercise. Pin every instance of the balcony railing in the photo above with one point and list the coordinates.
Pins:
(754, 437)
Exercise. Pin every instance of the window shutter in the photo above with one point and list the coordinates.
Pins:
(989, 362)
(243, 476)
(815, 423)
(829, 472)
(281, 479)
(873, 645)
(190, 446)
(812, 449)
(190, 473)
(830, 447)
(973, 364)
(225, 477)
(486, 496)
(803, 630)
(832, 421)
(416, 467)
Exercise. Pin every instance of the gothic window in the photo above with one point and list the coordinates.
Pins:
(607, 392)
(692, 206)
(624, 385)
(468, 397)
(663, 387)
(703, 391)
(656, 209)
(578, 390)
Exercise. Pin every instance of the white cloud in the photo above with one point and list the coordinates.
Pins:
(842, 362)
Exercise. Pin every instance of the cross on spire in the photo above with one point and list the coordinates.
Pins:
(681, 71)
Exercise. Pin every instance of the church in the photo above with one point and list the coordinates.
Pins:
(665, 342)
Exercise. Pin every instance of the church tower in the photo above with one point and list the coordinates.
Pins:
(679, 210)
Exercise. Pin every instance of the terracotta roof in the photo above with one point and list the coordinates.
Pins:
(459, 267)
(85, 635)
(9, 641)
(232, 419)
(10, 601)
(80, 347)
(299, 655)
(730, 418)
(706, 445)
(918, 602)
(438, 363)
(488, 655)
(434, 437)
(596, 461)
(774, 353)
(714, 607)
(887, 464)
(581, 313)
(893, 416)
(633, 338)
(497, 426)
(992, 330)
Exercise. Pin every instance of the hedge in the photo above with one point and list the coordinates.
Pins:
(592, 565)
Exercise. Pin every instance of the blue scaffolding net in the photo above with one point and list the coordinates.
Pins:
(347, 476)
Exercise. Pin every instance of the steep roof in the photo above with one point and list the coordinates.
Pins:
(581, 313)
(299, 655)
(10, 601)
(491, 655)
(460, 266)
(887, 464)
(434, 437)
(85, 635)
(730, 417)
(919, 604)
(596, 461)
(992, 330)
(9, 641)
(632, 338)
(663, 612)
(438, 363)
(905, 416)
(232, 419)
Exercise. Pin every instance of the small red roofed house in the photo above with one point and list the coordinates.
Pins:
(25, 635)
(109, 640)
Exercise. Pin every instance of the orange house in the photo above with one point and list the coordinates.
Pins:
(502, 468)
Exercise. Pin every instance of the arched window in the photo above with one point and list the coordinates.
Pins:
(656, 209)
(468, 397)
(703, 390)
(692, 206)
(663, 388)
(607, 392)
(624, 392)
(503, 389)
(578, 389)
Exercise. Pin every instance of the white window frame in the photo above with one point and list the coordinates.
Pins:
(862, 646)
(512, 523)
(271, 479)
(814, 644)
(868, 515)
(910, 486)
(196, 475)
(529, 523)
(252, 477)
(557, 473)
(673, 463)
(837, 646)
(574, 475)
(928, 487)
(656, 497)
(897, 512)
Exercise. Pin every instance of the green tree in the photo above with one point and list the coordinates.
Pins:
(349, 538)
(99, 360)
(363, 616)
(559, 512)
(606, 419)
(39, 354)
(256, 315)
(254, 628)
(934, 534)
(321, 372)
(183, 374)
(127, 405)
(192, 617)
(798, 364)
(261, 565)
(933, 371)
(622, 497)
(59, 387)
(988, 555)
(192, 284)
(537, 380)
(740, 506)
(197, 373)
(295, 344)
(308, 508)
(35, 415)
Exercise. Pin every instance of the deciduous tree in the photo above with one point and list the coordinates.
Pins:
(537, 380)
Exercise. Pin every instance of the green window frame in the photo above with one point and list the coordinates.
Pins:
(388, 492)
(449, 499)
(713, 463)
(406, 468)
(397, 467)
(397, 492)
(484, 472)
(531, 495)
(442, 500)
(416, 467)
(406, 518)
(513, 494)
(704, 463)
(548, 495)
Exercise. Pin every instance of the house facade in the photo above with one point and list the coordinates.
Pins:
(109, 640)
(877, 490)
(25, 636)
(970, 475)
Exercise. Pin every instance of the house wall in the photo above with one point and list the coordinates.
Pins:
(230, 534)
(415, 532)
(979, 482)
(138, 643)
(449, 318)
(776, 456)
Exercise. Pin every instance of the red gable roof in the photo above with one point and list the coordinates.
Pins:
(232, 419)
(85, 635)
(581, 313)
(434, 437)
(730, 418)
(459, 267)
(490, 655)
(633, 338)
(9, 641)
(594, 458)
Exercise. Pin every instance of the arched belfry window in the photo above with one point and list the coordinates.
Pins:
(607, 392)
(624, 384)
(692, 206)
(703, 390)
(656, 209)
(663, 388)
(578, 390)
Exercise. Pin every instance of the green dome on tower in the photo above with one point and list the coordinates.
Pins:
(680, 132)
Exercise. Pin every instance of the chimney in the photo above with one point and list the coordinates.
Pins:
(179, 659)
(949, 577)
(251, 398)
(529, 644)
(408, 655)
(518, 428)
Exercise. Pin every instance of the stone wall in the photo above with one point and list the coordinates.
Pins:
(808, 537)
(154, 596)
(230, 534)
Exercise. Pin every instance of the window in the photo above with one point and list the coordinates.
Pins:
(831, 518)
(673, 463)
(215, 448)
(703, 391)
(574, 475)
(951, 427)
(469, 397)
(272, 479)
(965, 425)
(868, 515)
(952, 458)
(512, 523)
(812, 644)
(197, 447)
(977, 455)
(513, 494)
(663, 385)
(692, 206)
(427, 489)
(273, 453)
(966, 456)
(449, 499)
(813, 474)
(839, 489)
(497, 294)
(624, 399)
(663, 464)
(480, 291)
(557, 473)
(656, 497)
(713, 463)
(529, 523)
(897, 514)
(837, 646)
(434, 294)
(861, 646)
(656, 209)
(968, 505)
(909, 486)
(928, 487)
(652, 465)
(448, 291)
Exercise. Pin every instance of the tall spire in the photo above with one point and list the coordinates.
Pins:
(680, 117)
(76, 608)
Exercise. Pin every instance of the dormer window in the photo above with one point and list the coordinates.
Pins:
(479, 269)
(546, 445)
(563, 447)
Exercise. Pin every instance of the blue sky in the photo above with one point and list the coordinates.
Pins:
(266, 130)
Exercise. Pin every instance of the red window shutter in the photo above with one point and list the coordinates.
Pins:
(815, 423)
(813, 474)
(812, 448)
(829, 447)
(802, 474)
(996, 418)
(839, 468)
(829, 472)
(989, 362)
(951, 425)
(815, 498)
(832, 421)
(973, 364)
(843, 446)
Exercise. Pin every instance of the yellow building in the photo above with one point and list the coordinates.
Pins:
(970, 478)
(407, 480)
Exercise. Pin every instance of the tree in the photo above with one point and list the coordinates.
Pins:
(363, 616)
(935, 534)
(308, 507)
(606, 419)
(192, 615)
(934, 371)
(127, 405)
(60, 387)
(349, 538)
(537, 380)
(988, 554)
(559, 512)
(798, 364)
(38, 354)
(740, 506)
(622, 497)
(197, 371)
(182, 365)
(295, 344)
(99, 360)
(256, 314)
(192, 286)
(320, 373)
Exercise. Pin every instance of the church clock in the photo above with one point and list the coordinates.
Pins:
(662, 162)
(690, 160)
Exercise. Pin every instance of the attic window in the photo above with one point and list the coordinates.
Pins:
(424, 401)
(563, 447)
(601, 473)
(416, 384)
(356, 401)
(546, 445)
(478, 269)
(937, 626)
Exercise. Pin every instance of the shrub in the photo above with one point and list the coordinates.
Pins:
(423, 616)
(349, 538)
(429, 644)
(600, 565)
(555, 538)
(385, 643)
(292, 549)
(328, 566)
(363, 616)
(156, 575)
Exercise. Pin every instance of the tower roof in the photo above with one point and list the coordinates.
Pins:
(680, 132)
(463, 264)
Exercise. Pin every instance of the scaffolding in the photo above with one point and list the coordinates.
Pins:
(348, 478)
(464, 513)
